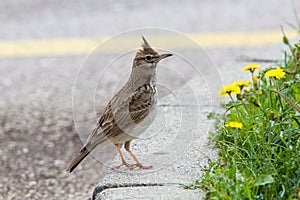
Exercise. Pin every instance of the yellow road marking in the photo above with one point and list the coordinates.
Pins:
(83, 46)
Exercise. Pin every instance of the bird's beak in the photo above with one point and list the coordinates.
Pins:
(163, 56)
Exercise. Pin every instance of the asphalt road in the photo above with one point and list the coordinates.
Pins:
(37, 132)
(75, 18)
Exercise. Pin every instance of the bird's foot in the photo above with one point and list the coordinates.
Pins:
(139, 165)
(124, 163)
(132, 166)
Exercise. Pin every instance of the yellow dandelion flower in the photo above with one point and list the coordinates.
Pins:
(242, 83)
(229, 89)
(234, 125)
(251, 68)
(278, 73)
(254, 79)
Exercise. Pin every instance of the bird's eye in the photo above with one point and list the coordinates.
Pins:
(148, 57)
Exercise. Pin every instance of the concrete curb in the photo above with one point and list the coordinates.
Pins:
(184, 132)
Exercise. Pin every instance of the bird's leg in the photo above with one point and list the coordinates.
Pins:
(138, 164)
(124, 163)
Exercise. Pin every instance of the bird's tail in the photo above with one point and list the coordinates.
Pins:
(81, 155)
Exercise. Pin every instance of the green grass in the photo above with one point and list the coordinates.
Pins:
(261, 160)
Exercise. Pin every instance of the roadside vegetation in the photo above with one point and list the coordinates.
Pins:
(258, 136)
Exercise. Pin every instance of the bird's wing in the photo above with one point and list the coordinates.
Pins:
(121, 114)
(141, 102)
(129, 110)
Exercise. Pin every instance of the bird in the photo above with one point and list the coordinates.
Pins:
(129, 112)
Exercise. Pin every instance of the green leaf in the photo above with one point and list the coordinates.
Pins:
(211, 115)
(264, 180)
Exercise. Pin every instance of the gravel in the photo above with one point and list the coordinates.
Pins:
(37, 132)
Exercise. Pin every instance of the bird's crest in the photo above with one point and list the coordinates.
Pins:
(143, 52)
(146, 44)
(146, 48)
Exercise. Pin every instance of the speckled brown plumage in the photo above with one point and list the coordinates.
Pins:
(130, 106)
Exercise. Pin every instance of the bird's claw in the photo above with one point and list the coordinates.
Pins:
(123, 164)
(138, 165)
(132, 166)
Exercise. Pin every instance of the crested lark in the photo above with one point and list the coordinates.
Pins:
(128, 113)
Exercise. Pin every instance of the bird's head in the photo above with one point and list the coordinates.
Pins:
(147, 57)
